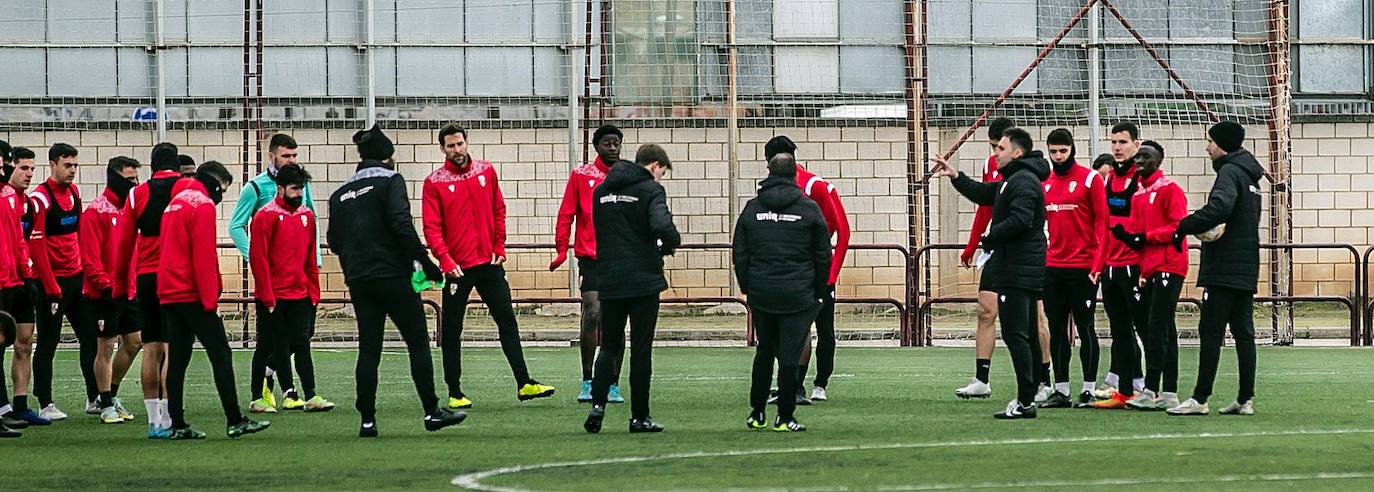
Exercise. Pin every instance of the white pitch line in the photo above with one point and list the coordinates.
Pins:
(473, 480)
(1134, 481)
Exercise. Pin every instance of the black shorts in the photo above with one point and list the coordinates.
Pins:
(587, 279)
(114, 317)
(150, 308)
(18, 301)
(985, 281)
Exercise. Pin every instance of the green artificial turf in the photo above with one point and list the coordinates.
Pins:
(892, 423)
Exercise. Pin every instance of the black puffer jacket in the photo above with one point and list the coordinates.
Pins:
(1231, 261)
(1016, 235)
(371, 227)
(782, 249)
(634, 231)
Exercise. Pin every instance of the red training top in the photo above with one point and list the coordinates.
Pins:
(53, 239)
(282, 254)
(100, 247)
(1076, 217)
(577, 204)
(464, 214)
(1121, 187)
(14, 252)
(823, 193)
(982, 216)
(189, 267)
(1155, 211)
(139, 255)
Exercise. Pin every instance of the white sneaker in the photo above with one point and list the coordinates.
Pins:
(92, 408)
(1043, 394)
(110, 416)
(818, 393)
(51, 412)
(1167, 401)
(1104, 392)
(124, 413)
(1143, 400)
(1248, 408)
(975, 389)
(1190, 407)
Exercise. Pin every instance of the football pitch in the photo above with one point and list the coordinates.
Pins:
(892, 423)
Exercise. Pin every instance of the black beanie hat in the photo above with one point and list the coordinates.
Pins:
(165, 157)
(6, 152)
(1228, 135)
(606, 130)
(373, 144)
(779, 145)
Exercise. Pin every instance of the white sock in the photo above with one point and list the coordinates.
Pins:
(1089, 386)
(6, 409)
(154, 418)
(1062, 388)
(1138, 384)
(1112, 379)
(270, 372)
(163, 415)
(1166, 395)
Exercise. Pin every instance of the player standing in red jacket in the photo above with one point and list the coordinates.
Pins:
(18, 296)
(108, 300)
(577, 207)
(1076, 218)
(985, 334)
(823, 193)
(464, 216)
(189, 286)
(286, 278)
(1156, 210)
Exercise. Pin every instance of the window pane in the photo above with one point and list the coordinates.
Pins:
(135, 21)
(994, 68)
(1149, 17)
(214, 22)
(298, 20)
(135, 73)
(871, 70)
(1252, 19)
(345, 21)
(550, 72)
(30, 82)
(500, 72)
(1002, 20)
(551, 18)
(753, 20)
(24, 22)
(1132, 70)
(950, 70)
(1331, 69)
(82, 72)
(1055, 14)
(1064, 71)
(428, 21)
(294, 72)
(807, 70)
(496, 21)
(1252, 70)
(174, 61)
(949, 20)
(755, 71)
(806, 19)
(1208, 70)
(872, 21)
(215, 72)
(77, 21)
(1330, 18)
(1192, 19)
(429, 72)
(384, 67)
(347, 72)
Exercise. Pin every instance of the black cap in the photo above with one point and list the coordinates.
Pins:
(164, 157)
(373, 144)
(779, 145)
(1228, 135)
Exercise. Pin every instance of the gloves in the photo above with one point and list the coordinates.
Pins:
(1178, 241)
(665, 251)
(559, 260)
(432, 271)
(1133, 241)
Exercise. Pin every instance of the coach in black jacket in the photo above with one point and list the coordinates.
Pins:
(1229, 268)
(1016, 238)
(370, 228)
(782, 261)
(634, 231)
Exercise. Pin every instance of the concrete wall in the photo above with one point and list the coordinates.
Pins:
(1333, 190)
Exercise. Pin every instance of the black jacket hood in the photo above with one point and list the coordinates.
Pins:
(624, 174)
(777, 193)
(1034, 162)
(1244, 160)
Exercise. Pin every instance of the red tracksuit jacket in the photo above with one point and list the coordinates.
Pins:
(100, 246)
(189, 267)
(577, 205)
(1117, 253)
(464, 215)
(282, 254)
(1155, 211)
(983, 215)
(14, 257)
(56, 254)
(1076, 216)
(139, 254)
(823, 193)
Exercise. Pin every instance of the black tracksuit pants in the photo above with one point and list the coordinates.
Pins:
(781, 337)
(281, 334)
(1161, 300)
(642, 314)
(184, 323)
(1222, 306)
(373, 301)
(1069, 291)
(1016, 310)
(1121, 299)
(73, 306)
(825, 341)
(492, 287)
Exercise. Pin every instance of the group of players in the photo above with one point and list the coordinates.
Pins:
(1051, 232)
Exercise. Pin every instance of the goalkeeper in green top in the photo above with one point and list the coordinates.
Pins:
(257, 193)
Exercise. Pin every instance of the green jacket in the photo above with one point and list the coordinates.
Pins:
(255, 195)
